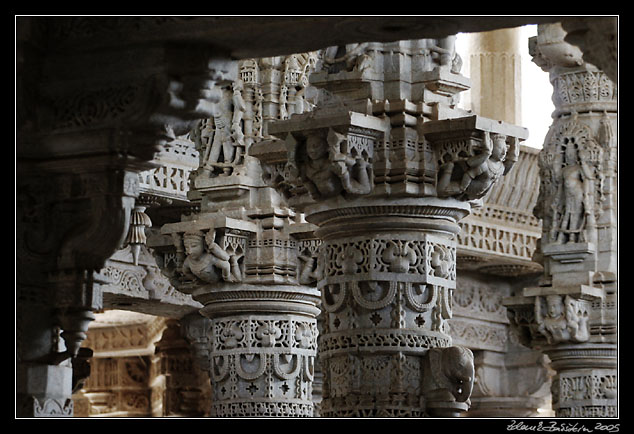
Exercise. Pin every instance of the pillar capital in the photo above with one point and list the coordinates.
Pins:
(385, 168)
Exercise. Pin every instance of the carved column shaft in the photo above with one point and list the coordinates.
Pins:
(387, 291)
(571, 316)
(244, 257)
(178, 383)
(382, 168)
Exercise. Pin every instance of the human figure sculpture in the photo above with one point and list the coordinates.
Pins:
(220, 147)
(480, 171)
(355, 58)
(328, 172)
(577, 197)
(560, 322)
(445, 50)
(239, 108)
(203, 264)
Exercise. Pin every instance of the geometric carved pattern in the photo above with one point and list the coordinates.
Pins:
(118, 386)
(503, 241)
(476, 335)
(118, 336)
(263, 366)
(424, 259)
(592, 394)
(479, 301)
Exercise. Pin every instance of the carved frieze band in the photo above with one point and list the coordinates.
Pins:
(585, 394)
(263, 364)
(497, 240)
(418, 259)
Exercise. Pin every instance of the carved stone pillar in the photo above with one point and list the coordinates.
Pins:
(386, 166)
(92, 111)
(245, 256)
(571, 315)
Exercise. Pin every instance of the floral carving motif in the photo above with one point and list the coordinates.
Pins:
(268, 333)
(583, 87)
(243, 368)
(423, 260)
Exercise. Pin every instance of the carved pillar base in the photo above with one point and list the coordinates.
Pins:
(515, 383)
(44, 390)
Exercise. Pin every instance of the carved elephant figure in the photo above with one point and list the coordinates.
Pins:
(448, 375)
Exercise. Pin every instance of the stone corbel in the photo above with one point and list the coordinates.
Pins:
(223, 241)
(331, 156)
(443, 86)
(65, 237)
(309, 260)
(471, 154)
(545, 316)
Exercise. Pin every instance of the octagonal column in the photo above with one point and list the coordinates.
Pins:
(385, 167)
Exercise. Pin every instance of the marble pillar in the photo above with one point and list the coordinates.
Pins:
(386, 166)
(247, 257)
(571, 314)
(495, 73)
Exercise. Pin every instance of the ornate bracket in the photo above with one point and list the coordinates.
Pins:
(472, 153)
(214, 251)
(544, 317)
(68, 225)
(325, 158)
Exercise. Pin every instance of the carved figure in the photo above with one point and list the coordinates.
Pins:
(578, 197)
(480, 172)
(239, 108)
(202, 264)
(309, 271)
(353, 58)
(445, 51)
(449, 375)
(329, 172)
(218, 140)
(564, 320)
(572, 187)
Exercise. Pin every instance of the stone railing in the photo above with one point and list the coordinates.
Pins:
(501, 236)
